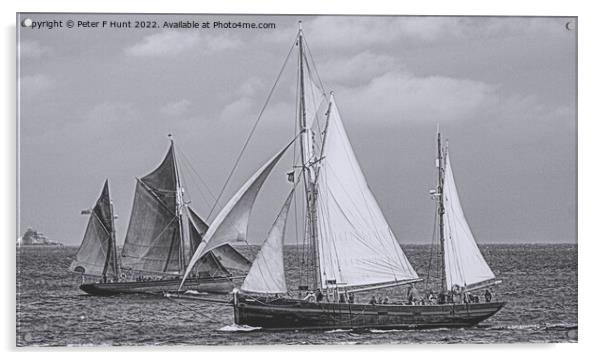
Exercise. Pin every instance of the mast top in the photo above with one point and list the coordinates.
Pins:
(300, 25)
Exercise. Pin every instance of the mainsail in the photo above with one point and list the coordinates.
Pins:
(356, 245)
(267, 273)
(464, 263)
(153, 238)
(231, 224)
(96, 253)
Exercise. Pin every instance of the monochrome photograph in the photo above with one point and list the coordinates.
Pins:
(220, 179)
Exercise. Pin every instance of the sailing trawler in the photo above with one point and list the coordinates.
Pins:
(351, 248)
(157, 248)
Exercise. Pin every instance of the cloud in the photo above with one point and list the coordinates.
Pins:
(31, 49)
(239, 108)
(357, 69)
(33, 85)
(176, 108)
(110, 115)
(251, 87)
(401, 96)
(353, 32)
(171, 43)
(342, 33)
(244, 103)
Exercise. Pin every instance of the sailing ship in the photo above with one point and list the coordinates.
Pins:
(351, 249)
(163, 233)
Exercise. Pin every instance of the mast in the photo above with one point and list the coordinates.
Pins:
(440, 206)
(308, 178)
(179, 210)
(113, 241)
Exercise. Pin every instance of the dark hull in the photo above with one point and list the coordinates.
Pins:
(298, 314)
(210, 285)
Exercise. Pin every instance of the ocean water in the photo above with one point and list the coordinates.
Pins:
(539, 284)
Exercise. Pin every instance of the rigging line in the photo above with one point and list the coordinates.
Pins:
(296, 130)
(318, 105)
(248, 139)
(314, 65)
(181, 152)
(428, 273)
(189, 165)
(196, 186)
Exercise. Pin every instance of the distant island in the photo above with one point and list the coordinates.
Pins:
(35, 238)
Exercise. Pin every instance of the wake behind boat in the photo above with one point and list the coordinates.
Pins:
(157, 246)
(350, 247)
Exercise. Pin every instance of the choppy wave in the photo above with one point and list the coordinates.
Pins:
(238, 328)
(539, 286)
(338, 331)
(194, 292)
(529, 327)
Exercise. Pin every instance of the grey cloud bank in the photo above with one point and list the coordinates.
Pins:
(98, 104)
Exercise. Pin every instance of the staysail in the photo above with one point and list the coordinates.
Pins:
(231, 224)
(153, 238)
(464, 263)
(356, 245)
(229, 257)
(96, 254)
(197, 228)
(267, 273)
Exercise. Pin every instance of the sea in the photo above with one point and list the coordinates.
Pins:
(539, 284)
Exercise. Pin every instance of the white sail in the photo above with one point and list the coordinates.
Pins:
(231, 224)
(356, 245)
(267, 272)
(316, 102)
(316, 105)
(464, 263)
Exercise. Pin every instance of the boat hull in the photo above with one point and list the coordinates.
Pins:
(212, 285)
(298, 314)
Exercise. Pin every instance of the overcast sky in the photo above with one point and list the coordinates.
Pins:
(99, 103)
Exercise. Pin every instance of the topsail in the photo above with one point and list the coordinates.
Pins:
(96, 253)
(464, 263)
(356, 244)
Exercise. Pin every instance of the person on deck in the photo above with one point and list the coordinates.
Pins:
(488, 295)
(386, 301)
(319, 295)
(372, 300)
(413, 295)
(351, 298)
(432, 298)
